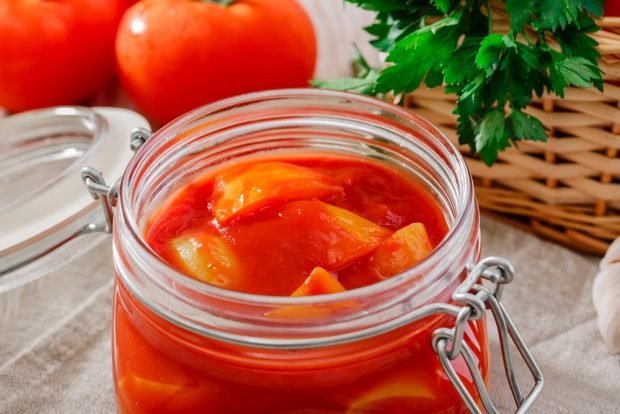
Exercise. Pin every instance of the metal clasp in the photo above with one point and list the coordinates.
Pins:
(107, 195)
(448, 343)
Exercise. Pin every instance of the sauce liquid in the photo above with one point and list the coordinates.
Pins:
(275, 247)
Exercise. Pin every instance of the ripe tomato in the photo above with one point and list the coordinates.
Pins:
(176, 55)
(55, 52)
(612, 8)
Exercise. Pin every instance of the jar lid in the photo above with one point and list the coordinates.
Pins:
(43, 202)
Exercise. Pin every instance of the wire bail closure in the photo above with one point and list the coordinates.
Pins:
(99, 190)
(448, 343)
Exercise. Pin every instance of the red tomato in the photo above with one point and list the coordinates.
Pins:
(125, 4)
(55, 52)
(176, 55)
(612, 8)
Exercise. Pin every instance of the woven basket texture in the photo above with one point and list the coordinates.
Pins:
(568, 188)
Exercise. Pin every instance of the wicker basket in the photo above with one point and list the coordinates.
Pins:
(567, 189)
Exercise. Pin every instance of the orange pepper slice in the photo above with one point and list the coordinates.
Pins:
(401, 251)
(148, 395)
(248, 187)
(320, 282)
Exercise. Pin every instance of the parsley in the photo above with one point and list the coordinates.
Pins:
(495, 75)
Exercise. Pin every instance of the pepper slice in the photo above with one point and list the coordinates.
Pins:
(151, 395)
(208, 258)
(335, 236)
(246, 188)
(320, 282)
(401, 251)
(402, 392)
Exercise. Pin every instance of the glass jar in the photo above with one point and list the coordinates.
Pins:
(416, 342)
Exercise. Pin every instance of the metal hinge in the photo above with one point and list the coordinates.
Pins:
(99, 190)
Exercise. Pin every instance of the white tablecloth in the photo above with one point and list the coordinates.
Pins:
(55, 346)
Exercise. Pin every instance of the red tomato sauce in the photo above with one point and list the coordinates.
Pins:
(384, 198)
(294, 226)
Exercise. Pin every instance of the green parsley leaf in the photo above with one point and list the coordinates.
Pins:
(470, 99)
(531, 56)
(388, 32)
(490, 51)
(464, 56)
(465, 130)
(434, 78)
(360, 65)
(380, 5)
(578, 44)
(520, 13)
(491, 135)
(491, 128)
(443, 5)
(449, 21)
(557, 13)
(525, 126)
(364, 83)
(576, 71)
(364, 86)
(415, 55)
(595, 6)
